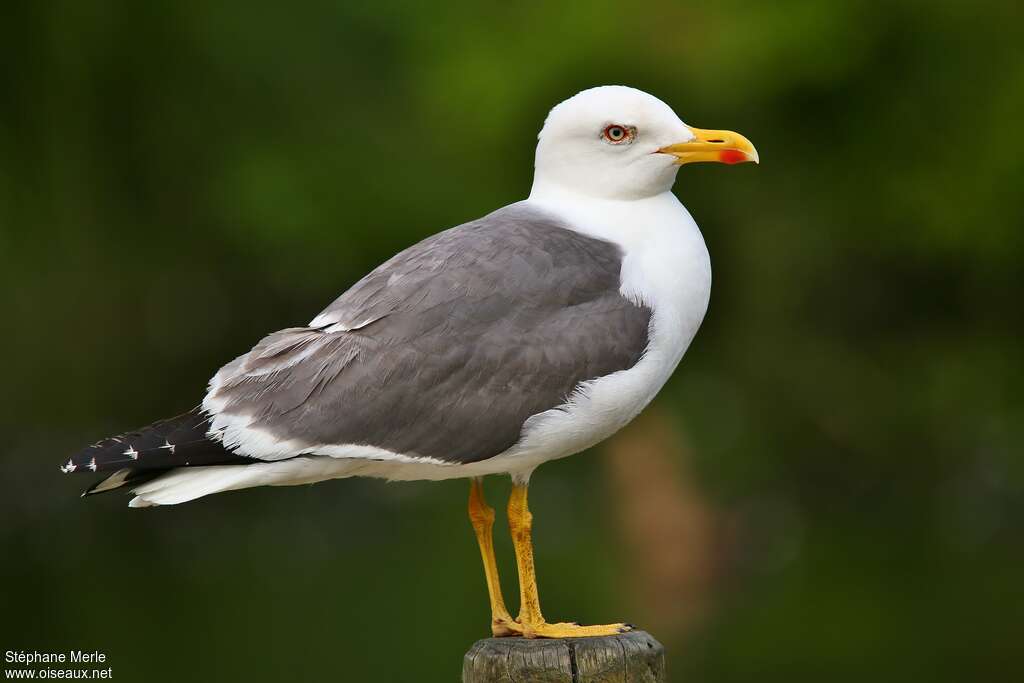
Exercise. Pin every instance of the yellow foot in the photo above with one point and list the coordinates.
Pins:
(501, 627)
(559, 630)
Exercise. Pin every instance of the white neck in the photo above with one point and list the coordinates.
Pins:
(622, 221)
(665, 264)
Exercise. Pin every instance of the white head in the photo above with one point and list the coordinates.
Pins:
(616, 142)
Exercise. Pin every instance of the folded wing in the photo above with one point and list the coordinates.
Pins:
(443, 351)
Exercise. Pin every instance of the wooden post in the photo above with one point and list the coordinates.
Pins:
(634, 657)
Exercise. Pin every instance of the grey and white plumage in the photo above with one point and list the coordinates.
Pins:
(526, 335)
(441, 353)
(445, 350)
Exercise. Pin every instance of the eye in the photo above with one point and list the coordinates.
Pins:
(616, 134)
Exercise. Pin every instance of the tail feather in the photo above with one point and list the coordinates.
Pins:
(188, 484)
(123, 477)
(181, 485)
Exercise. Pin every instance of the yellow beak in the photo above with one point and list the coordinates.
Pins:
(723, 146)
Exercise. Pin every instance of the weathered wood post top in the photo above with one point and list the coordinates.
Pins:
(633, 657)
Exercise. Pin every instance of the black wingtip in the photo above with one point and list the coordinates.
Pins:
(181, 441)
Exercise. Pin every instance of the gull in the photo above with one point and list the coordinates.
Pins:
(527, 335)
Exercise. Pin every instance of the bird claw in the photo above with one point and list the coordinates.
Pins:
(563, 629)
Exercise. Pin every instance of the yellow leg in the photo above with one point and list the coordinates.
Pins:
(481, 515)
(531, 622)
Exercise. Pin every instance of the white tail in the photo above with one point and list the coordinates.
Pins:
(184, 484)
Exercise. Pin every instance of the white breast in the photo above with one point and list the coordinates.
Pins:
(665, 267)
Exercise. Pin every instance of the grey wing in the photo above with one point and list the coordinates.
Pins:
(443, 351)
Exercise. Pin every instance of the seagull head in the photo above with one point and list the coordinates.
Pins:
(617, 142)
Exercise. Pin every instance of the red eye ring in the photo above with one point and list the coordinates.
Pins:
(616, 133)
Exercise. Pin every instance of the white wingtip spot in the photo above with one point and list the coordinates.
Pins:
(69, 467)
(169, 446)
(92, 464)
(132, 453)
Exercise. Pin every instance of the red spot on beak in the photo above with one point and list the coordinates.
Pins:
(731, 156)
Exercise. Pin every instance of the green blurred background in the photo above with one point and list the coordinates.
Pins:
(831, 486)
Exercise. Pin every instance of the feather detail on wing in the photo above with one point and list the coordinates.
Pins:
(443, 352)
